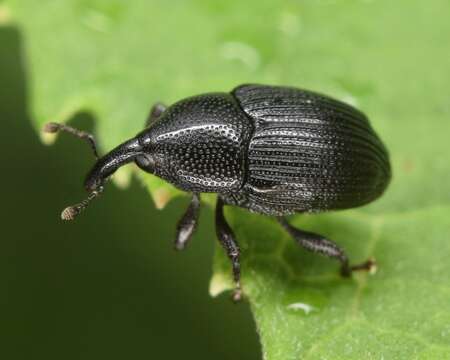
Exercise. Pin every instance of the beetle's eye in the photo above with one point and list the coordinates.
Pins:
(146, 163)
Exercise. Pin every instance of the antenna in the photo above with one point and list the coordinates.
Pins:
(53, 127)
(71, 212)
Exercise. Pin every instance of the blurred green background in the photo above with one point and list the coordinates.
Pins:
(87, 290)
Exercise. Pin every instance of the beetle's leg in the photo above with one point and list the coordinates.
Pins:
(319, 244)
(188, 223)
(53, 127)
(155, 112)
(227, 240)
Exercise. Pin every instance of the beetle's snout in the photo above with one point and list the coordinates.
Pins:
(92, 183)
(97, 176)
(108, 164)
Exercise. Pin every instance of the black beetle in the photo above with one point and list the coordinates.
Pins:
(270, 149)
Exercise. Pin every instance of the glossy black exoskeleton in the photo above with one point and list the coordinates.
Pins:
(270, 149)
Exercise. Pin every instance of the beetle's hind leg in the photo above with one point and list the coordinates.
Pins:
(188, 223)
(319, 244)
(155, 112)
(227, 240)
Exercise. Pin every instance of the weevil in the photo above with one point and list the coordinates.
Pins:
(273, 150)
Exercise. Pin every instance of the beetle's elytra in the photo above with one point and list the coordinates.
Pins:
(270, 149)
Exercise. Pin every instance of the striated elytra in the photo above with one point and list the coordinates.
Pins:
(270, 149)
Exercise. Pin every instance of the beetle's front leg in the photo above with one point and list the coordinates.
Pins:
(188, 223)
(319, 244)
(228, 242)
(155, 112)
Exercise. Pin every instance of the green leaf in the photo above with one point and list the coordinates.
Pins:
(303, 309)
(113, 59)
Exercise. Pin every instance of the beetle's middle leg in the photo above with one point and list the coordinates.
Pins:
(188, 223)
(227, 240)
(319, 244)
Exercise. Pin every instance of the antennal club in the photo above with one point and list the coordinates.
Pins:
(71, 212)
(53, 127)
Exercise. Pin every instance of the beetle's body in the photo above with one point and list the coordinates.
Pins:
(273, 150)
(270, 149)
(308, 153)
